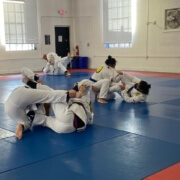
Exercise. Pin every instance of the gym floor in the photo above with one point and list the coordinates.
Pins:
(126, 142)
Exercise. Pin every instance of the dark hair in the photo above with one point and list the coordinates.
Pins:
(44, 56)
(144, 87)
(75, 87)
(110, 61)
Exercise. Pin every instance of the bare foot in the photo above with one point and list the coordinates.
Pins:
(19, 131)
(102, 101)
(73, 53)
(69, 55)
(68, 74)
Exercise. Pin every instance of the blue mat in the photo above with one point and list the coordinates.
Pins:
(127, 141)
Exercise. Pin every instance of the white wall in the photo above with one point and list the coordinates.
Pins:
(153, 49)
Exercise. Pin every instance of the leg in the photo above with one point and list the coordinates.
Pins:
(103, 86)
(33, 96)
(64, 124)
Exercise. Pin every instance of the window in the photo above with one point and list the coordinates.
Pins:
(16, 31)
(117, 23)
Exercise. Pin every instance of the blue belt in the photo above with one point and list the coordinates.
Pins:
(92, 79)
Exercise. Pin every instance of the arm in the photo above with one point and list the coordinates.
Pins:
(127, 78)
(118, 76)
(81, 90)
(47, 68)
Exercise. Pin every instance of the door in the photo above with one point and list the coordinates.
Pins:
(62, 41)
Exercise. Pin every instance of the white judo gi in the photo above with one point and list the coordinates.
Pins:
(60, 64)
(111, 74)
(130, 93)
(102, 85)
(21, 97)
(63, 121)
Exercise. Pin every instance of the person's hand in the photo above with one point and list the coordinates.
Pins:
(123, 86)
(119, 72)
(25, 79)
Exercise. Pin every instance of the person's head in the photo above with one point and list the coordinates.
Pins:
(143, 87)
(45, 57)
(111, 61)
(50, 58)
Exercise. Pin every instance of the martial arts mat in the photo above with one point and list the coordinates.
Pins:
(170, 173)
(4, 133)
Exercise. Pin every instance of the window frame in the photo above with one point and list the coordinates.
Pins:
(15, 26)
(114, 35)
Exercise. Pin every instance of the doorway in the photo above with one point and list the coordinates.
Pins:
(62, 41)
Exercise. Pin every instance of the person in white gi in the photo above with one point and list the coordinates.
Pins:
(22, 97)
(70, 116)
(99, 88)
(121, 83)
(108, 72)
(57, 65)
(136, 90)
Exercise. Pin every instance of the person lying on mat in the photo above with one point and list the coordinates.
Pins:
(23, 98)
(70, 116)
(136, 90)
(57, 65)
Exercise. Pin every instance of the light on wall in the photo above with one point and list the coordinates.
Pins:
(62, 11)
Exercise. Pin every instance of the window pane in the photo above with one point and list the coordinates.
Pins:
(10, 7)
(19, 39)
(5, 17)
(19, 7)
(19, 29)
(13, 38)
(19, 46)
(12, 28)
(19, 18)
(12, 47)
(7, 39)
(12, 18)
(6, 28)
